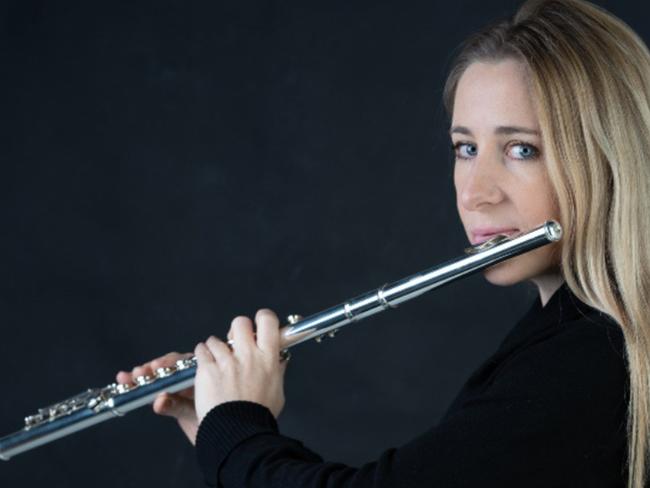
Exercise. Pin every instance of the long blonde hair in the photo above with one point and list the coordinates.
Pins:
(589, 75)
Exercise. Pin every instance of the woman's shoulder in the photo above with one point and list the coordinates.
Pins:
(584, 354)
(568, 332)
(594, 334)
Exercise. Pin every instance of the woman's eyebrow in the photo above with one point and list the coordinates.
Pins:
(500, 130)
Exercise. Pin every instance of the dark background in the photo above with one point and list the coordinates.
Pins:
(167, 165)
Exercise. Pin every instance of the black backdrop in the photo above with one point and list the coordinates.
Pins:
(167, 165)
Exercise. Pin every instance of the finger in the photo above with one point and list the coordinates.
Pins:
(268, 331)
(219, 350)
(143, 370)
(160, 404)
(147, 369)
(173, 405)
(123, 377)
(187, 393)
(164, 361)
(242, 334)
(203, 354)
(182, 409)
(168, 360)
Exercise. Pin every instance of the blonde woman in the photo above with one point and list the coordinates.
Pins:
(550, 118)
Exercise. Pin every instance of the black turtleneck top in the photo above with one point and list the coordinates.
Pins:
(547, 409)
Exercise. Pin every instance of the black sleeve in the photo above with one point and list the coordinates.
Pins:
(553, 415)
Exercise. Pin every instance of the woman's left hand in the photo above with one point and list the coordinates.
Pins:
(251, 371)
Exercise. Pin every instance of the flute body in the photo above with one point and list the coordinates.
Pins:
(114, 400)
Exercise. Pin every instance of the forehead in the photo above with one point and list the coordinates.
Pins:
(492, 94)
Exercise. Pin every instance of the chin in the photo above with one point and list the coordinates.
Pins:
(522, 268)
(507, 273)
(500, 279)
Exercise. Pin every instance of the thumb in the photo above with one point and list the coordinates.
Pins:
(173, 405)
(182, 409)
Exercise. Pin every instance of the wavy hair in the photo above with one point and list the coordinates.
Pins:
(589, 75)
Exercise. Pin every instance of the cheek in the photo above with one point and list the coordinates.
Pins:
(461, 171)
(463, 216)
(458, 186)
(536, 203)
(535, 189)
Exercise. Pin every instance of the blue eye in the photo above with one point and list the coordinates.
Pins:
(464, 150)
(516, 150)
(524, 151)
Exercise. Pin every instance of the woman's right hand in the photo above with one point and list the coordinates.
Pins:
(179, 405)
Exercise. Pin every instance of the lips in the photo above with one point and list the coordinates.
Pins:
(482, 234)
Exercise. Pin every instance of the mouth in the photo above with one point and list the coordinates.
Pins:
(479, 236)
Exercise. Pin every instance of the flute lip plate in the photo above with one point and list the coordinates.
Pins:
(477, 248)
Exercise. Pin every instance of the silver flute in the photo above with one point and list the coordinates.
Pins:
(98, 404)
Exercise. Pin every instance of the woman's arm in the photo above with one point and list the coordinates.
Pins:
(552, 415)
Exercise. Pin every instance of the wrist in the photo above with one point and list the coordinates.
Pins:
(227, 425)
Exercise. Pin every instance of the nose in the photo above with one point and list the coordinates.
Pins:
(480, 183)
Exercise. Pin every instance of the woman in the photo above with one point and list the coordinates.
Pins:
(550, 118)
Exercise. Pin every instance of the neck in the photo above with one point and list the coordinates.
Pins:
(547, 285)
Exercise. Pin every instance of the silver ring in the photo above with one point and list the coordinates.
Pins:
(348, 313)
(382, 298)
